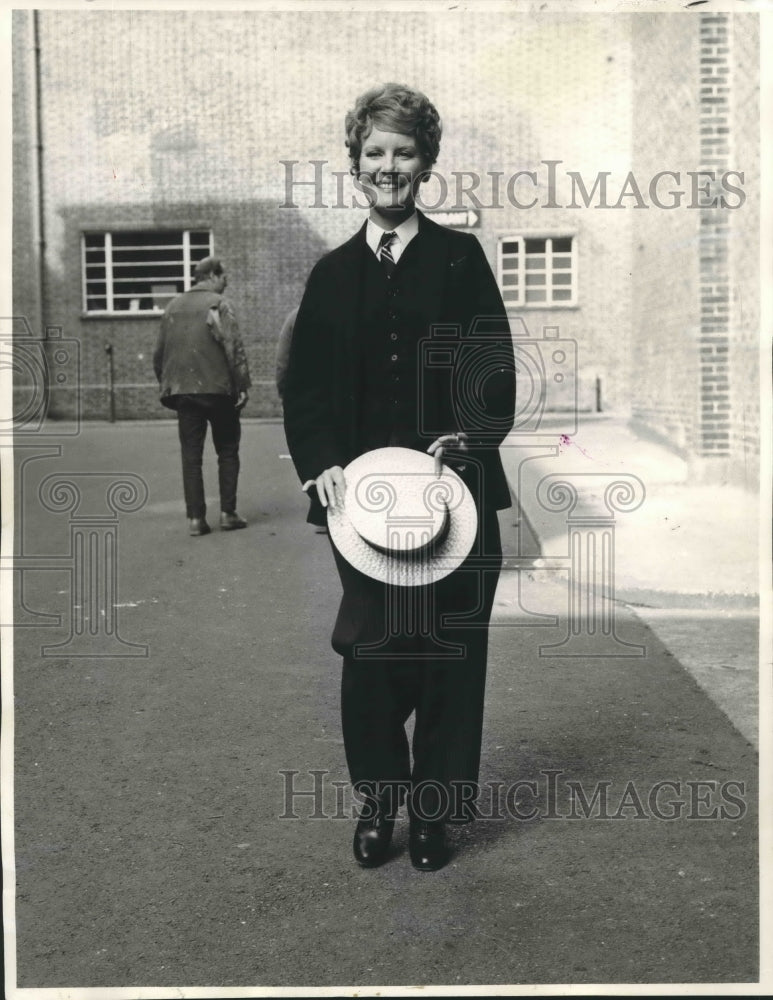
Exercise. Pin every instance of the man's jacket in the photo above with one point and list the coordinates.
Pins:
(472, 389)
(199, 349)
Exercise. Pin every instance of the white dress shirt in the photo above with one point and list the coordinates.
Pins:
(404, 233)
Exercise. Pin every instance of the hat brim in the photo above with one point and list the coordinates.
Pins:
(400, 570)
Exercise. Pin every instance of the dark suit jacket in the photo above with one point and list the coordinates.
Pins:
(476, 369)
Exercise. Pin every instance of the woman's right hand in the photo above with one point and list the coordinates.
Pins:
(331, 487)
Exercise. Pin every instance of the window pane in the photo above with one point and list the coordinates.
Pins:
(548, 262)
(166, 255)
(152, 238)
(132, 303)
(145, 268)
(123, 272)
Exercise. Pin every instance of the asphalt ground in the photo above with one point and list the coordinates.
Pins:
(152, 840)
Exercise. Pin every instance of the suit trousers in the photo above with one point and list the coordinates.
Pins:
(194, 412)
(440, 677)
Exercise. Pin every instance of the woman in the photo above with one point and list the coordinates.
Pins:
(364, 374)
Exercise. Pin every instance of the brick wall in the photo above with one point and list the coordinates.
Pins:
(665, 273)
(159, 143)
(695, 289)
(713, 285)
(743, 254)
(25, 192)
(194, 129)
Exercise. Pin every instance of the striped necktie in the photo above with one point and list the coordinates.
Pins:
(385, 253)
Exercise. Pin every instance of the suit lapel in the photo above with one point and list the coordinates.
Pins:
(434, 262)
(348, 289)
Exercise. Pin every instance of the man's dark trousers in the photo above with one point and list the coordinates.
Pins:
(193, 414)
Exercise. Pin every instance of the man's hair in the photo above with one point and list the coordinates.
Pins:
(393, 107)
(207, 267)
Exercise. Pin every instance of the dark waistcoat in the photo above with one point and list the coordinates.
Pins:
(389, 330)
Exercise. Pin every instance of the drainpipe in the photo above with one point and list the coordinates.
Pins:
(110, 382)
(42, 291)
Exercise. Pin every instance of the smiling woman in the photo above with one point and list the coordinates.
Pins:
(368, 384)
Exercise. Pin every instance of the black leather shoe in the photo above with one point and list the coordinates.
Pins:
(373, 835)
(198, 526)
(427, 845)
(230, 522)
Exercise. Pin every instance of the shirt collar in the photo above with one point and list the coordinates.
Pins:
(404, 232)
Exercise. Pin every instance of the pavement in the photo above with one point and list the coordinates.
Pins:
(686, 555)
(181, 813)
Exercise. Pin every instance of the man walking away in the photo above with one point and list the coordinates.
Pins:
(202, 371)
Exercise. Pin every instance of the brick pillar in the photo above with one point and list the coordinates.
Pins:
(714, 286)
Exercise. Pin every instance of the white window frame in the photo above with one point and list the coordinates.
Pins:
(514, 296)
(180, 240)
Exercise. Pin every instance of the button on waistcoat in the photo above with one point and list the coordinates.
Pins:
(390, 326)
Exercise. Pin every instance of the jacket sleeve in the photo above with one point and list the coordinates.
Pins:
(225, 330)
(484, 382)
(311, 410)
(283, 351)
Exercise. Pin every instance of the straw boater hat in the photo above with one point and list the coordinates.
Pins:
(400, 522)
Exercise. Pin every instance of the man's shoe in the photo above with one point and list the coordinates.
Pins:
(427, 845)
(230, 522)
(198, 526)
(373, 835)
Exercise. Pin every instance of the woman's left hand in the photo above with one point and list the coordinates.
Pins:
(456, 441)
